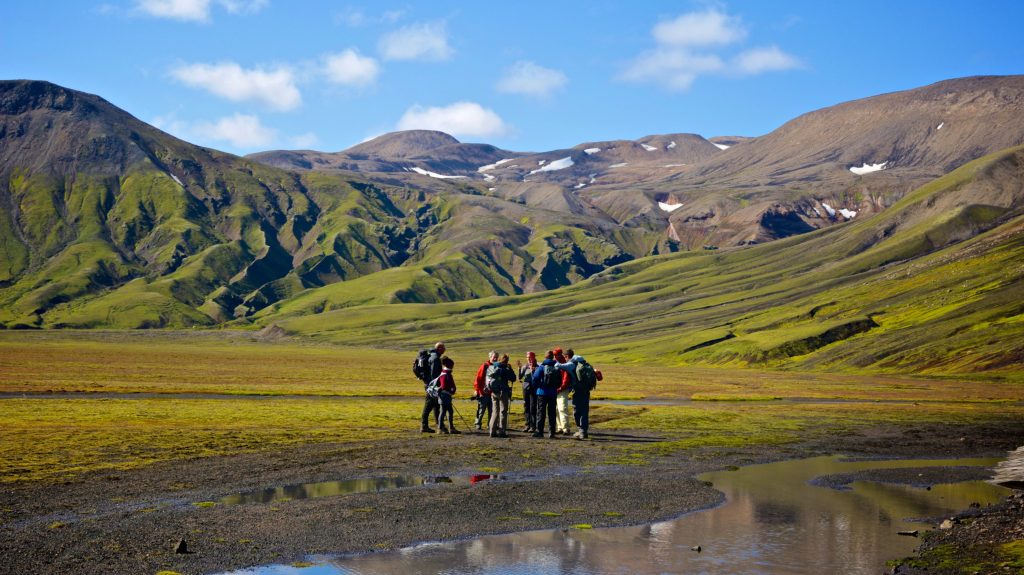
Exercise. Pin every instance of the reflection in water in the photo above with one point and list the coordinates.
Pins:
(774, 521)
(347, 487)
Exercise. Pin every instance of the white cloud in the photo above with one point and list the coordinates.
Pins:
(675, 69)
(423, 41)
(274, 88)
(239, 130)
(688, 47)
(350, 68)
(707, 28)
(530, 79)
(458, 119)
(768, 59)
(195, 10)
(243, 6)
(354, 17)
(304, 141)
(185, 10)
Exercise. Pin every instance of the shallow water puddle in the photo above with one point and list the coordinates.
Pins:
(773, 521)
(350, 486)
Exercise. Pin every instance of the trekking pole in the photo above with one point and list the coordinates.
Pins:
(462, 419)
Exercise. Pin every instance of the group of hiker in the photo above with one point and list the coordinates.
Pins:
(546, 386)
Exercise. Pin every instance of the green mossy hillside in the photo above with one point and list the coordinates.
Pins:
(931, 286)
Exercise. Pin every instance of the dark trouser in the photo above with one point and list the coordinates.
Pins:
(530, 409)
(430, 411)
(445, 400)
(581, 411)
(546, 407)
(483, 410)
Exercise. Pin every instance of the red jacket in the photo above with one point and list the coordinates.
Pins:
(446, 382)
(480, 384)
(566, 380)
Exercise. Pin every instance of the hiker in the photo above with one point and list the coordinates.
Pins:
(546, 380)
(529, 399)
(445, 384)
(562, 397)
(499, 380)
(432, 371)
(480, 392)
(584, 380)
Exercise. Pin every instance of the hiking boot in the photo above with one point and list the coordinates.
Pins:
(455, 431)
(578, 435)
(443, 430)
(538, 434)
(527, 429)
(551, 436)
(426, 430)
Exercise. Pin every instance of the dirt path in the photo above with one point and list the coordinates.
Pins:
(129, 522)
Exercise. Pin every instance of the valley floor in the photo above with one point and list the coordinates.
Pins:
(110, 482)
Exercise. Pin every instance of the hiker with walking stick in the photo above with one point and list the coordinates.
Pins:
(445, 389)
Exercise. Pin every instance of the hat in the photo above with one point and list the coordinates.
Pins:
(557, 350)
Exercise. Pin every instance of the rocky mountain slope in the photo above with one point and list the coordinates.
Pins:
(105, 220)
(839, 163)
(820, 169)
(932, 285)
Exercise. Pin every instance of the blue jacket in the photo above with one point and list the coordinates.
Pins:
(538, 379)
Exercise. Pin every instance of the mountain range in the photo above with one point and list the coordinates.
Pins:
(106, 221)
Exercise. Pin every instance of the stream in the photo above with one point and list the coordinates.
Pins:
(774, 520)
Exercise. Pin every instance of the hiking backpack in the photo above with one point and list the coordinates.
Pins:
(434, 387)
(586, 377)
(552, 377)
(420, 365)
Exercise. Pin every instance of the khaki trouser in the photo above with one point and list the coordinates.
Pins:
(499, 413)
(563, 412)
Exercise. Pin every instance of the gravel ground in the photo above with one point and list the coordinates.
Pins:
(129, 522)
(915, 476)
(973, 542)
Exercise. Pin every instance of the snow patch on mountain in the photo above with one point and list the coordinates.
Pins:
(649, 148)
(829, 209)
(177, 180)
(848, 214)
(591, 151)
(671, 145)
(419, 170)
(867, 168)
(669, 207)
(494, 165)
(562, 164)
(721, 146)
(619, 165)
(940, 126)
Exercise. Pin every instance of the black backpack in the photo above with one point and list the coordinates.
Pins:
(552, 377)
(421, 365)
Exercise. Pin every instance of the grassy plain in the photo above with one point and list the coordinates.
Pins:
(212, 393)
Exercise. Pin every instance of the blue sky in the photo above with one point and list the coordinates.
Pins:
(250, 75)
